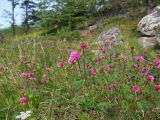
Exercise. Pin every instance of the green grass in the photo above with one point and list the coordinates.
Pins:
(65, 94)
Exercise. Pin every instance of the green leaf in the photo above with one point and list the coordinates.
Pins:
(101, 106)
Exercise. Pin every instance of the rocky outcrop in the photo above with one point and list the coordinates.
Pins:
(110, 37)
(147, 41)
(150, 24)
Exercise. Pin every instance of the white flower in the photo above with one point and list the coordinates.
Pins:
(24, 115)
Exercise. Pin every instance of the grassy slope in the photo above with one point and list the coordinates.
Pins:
(46, 53)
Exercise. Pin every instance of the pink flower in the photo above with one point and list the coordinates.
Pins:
(150, 78)
(135, 88)
(25, 62)
(99, 59)
(48, 69)
(158, 56)
(93, 71)
(129, 74)
(87, 65)
(60, 64)
(74, 56)
(23, 100)
(140, 58)
(158, 66)
(84, 45)
(145, 51)
(97, 84)
(110, 70)
(157, 87)
(45, 76)
(22, 57)
(143, 71)
(104, 67)
(22, 75)
(110, 87)
(134, 66)
(103, 50)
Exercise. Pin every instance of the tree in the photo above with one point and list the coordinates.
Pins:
(11, 14)
(28, 6)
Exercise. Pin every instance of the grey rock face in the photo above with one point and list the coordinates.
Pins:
(150, 24)
(110, 36)
(147, 41)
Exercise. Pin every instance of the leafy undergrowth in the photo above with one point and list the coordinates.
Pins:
(60, 80)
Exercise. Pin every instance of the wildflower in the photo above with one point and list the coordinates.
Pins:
(97, 84)
(125, 58)
(24, 115)
(22, 57)
(25, 62)
(60, 64)
(128, 74)
(134, 66)
(93, 71)
(143, 71)
(87, 65)
(99, 59)
(110, 87)
(103, 50)
(22, 75)
(23, 100)
(139, 58)
(157, 87)
(45, 76)
(84, 45)
(135, 88)
(145, 51)
(48, 69)
(158, 56)
(74, 56)
(110, 70)
(158, 66)
(150, 78)
(104, 67)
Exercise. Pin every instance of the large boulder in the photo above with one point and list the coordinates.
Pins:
(150, 24)
(110, 36)
(148, 41)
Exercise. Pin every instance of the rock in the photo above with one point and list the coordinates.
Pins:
(150, 24)
(148, 41)
(158, 41)
(109, 39)
(95, 26)
(110, 36)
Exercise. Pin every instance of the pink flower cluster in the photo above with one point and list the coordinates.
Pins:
(140, 58)
(60, 64)
(23, 100)
(150, 78)
(84, 45)
(74, 56)
(157, 87)
(157, 63)
(135, 88)
(29, 75)
(93, 71)
(99, 59)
